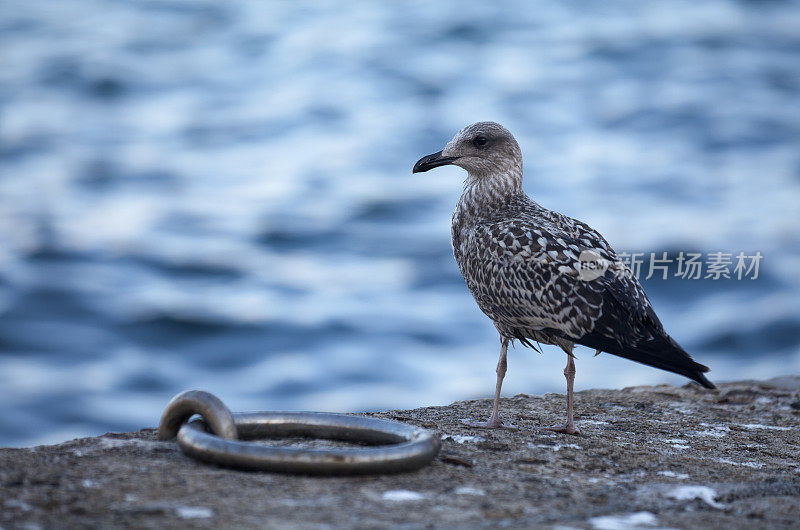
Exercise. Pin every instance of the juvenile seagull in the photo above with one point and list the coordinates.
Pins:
(526, 268)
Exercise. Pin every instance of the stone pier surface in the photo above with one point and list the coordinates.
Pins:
(649, 457)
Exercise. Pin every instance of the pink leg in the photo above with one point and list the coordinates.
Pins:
(569, 426)
(494, 421)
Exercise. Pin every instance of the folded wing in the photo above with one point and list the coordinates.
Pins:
(526, 277)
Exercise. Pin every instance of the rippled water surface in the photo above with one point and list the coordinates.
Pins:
(218, 195)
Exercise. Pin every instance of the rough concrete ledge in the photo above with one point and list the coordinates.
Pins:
(648, 456)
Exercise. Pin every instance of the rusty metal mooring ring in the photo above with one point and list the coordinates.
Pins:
(397, 446)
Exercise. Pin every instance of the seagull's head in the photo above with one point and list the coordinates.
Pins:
(484, 149)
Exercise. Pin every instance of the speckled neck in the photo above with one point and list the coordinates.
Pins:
(485, 193)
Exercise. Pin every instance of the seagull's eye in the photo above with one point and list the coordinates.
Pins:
(480, 140)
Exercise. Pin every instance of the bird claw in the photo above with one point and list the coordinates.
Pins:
(566, 428)
(489, 424)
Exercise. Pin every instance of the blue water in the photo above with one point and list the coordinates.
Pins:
(218, 195)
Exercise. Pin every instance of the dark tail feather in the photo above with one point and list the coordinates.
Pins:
(529, 344)
(663, 353)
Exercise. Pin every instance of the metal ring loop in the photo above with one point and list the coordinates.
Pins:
(187, 404)
(397, 447)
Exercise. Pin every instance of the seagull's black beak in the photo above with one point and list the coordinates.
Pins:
(431, 161)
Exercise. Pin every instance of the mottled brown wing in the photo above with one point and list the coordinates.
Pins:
(527, 279)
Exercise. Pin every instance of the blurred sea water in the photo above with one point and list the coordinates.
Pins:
(218, 195)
